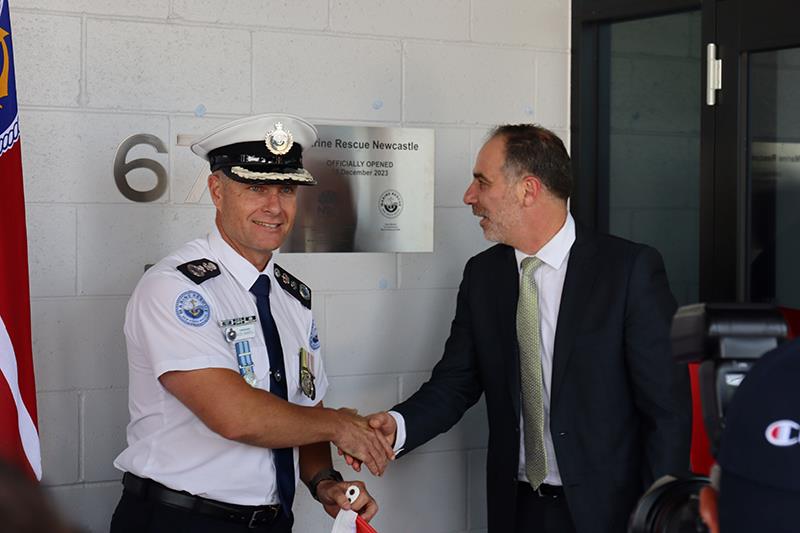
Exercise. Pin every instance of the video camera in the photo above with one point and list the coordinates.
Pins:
(726, 339)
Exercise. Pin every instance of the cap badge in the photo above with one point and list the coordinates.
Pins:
(279, 141)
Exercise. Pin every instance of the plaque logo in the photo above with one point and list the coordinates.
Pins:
(390, 204)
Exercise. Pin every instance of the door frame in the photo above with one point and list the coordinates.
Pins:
(738, 28)
(589, 201)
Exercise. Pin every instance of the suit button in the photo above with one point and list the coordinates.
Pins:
(562, 434)
(516, 430)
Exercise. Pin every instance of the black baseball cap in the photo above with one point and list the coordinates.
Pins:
(759, 453)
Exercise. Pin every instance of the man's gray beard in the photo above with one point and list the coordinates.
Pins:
(500, 226)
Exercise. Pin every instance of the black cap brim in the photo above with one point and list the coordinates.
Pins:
(747, 507)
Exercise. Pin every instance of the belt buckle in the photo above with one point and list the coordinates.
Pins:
(544, 495)
(252, 524)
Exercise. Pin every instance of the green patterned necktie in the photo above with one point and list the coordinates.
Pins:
(530, 361)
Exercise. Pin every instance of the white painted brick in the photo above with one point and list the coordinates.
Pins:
(309, 14)
(69, 157)
(457, 237)
(446, 19)
(173, 68)
(544, 23)
(88, 506)
(342, 271)
(388, 331)
(478, 137)
(563, 134)
(78, 343)
(454, 159)
(309, 515)
(59, 436)
(422, 492)
(327, 77)
(552, 90)
(140, 8)
(471, 432)
(105, 416)
(367, 394)
(51, 249)
(476, 498)
(186, 167)
(115, 242)
(48, 70)
(468, 84)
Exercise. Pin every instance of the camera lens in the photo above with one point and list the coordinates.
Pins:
(670, 506)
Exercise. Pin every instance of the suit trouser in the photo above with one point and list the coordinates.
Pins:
(544, 512)
(138, 515)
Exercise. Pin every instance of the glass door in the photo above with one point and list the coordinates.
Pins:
(751, 251)
(649, 135)
(773, 145)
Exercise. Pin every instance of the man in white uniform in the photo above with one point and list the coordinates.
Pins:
(226, 378)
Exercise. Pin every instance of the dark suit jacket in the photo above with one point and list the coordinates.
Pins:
(620, 408)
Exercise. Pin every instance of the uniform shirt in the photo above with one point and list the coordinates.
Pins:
(549, 279)
(173, 323)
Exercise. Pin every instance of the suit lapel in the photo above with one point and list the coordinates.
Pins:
(581, 275)
(507, 292)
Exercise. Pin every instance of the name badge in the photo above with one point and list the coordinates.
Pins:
(238, 329)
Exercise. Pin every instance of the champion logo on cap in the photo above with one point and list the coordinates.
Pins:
(783, 433)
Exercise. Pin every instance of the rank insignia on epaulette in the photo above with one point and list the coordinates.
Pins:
(293, 286)
(199, 270)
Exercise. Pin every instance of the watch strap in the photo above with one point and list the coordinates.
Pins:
(322, 475)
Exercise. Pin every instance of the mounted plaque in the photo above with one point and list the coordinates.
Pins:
(375, 192)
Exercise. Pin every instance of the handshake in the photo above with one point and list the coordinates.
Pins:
(366, 440)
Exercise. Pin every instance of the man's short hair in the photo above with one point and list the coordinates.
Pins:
(536, 151)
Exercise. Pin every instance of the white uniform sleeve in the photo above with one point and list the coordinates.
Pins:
(171, 322)
(319, 368)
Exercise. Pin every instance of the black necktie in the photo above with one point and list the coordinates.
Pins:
(284, 457)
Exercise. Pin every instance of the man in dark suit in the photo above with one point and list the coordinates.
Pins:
(571, 348)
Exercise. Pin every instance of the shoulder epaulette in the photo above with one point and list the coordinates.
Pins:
(293, 286)
(199, 270)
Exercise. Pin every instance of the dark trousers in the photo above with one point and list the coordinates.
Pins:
(136, 515)
(546, 513)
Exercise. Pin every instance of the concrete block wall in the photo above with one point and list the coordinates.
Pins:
(92, 72)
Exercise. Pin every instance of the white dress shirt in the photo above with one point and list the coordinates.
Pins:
(549, 278)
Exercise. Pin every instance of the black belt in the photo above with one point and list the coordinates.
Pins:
(544, 491)
(252, 515)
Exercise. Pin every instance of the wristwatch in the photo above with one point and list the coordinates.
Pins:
(322, 475)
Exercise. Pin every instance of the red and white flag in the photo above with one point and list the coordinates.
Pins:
(19, 438)
(350, 521)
